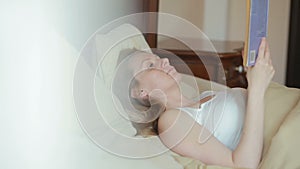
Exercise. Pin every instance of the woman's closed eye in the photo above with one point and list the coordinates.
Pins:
(150, 65)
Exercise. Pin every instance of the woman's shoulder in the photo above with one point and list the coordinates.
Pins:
(167, 119)
(173, 118)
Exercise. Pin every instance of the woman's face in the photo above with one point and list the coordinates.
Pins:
(152, 73)
(143, 61)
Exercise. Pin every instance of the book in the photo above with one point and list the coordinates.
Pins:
(256, 29)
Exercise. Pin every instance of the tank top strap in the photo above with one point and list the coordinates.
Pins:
(207, 94)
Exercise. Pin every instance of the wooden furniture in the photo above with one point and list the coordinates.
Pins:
(224, 65)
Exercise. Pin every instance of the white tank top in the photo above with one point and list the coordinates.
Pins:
(223, 115)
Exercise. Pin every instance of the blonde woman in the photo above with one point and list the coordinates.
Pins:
(217, 128)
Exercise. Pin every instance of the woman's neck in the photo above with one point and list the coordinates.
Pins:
(176, 99)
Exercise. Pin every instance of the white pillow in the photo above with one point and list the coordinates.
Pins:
(110, 44)
(111, 110)
(108, 47)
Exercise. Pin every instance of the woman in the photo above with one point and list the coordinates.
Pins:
(235, 139)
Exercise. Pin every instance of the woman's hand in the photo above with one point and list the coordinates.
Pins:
(260, 75)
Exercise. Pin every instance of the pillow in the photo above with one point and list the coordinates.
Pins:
(110, 44)
(284, 149)
(279, 101)
(108, 47)
(111, 110)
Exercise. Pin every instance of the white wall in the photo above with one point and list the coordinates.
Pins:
(278, 36)
(215, 19)
(211, 16)
(236, 21)
(183, 10)
(225, 20)
(39, 45)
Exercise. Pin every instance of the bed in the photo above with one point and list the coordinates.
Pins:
(282, 116)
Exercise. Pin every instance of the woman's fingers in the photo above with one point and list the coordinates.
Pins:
(262, 47)
(264, 55)
(267, 50)
(268, 55)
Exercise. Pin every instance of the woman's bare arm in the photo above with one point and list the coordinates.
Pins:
(248, 152)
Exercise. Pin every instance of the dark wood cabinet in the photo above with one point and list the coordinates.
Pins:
(224, 65)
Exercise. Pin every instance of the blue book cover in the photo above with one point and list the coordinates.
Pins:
(257, 26)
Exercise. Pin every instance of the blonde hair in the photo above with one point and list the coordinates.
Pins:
(143, 111)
